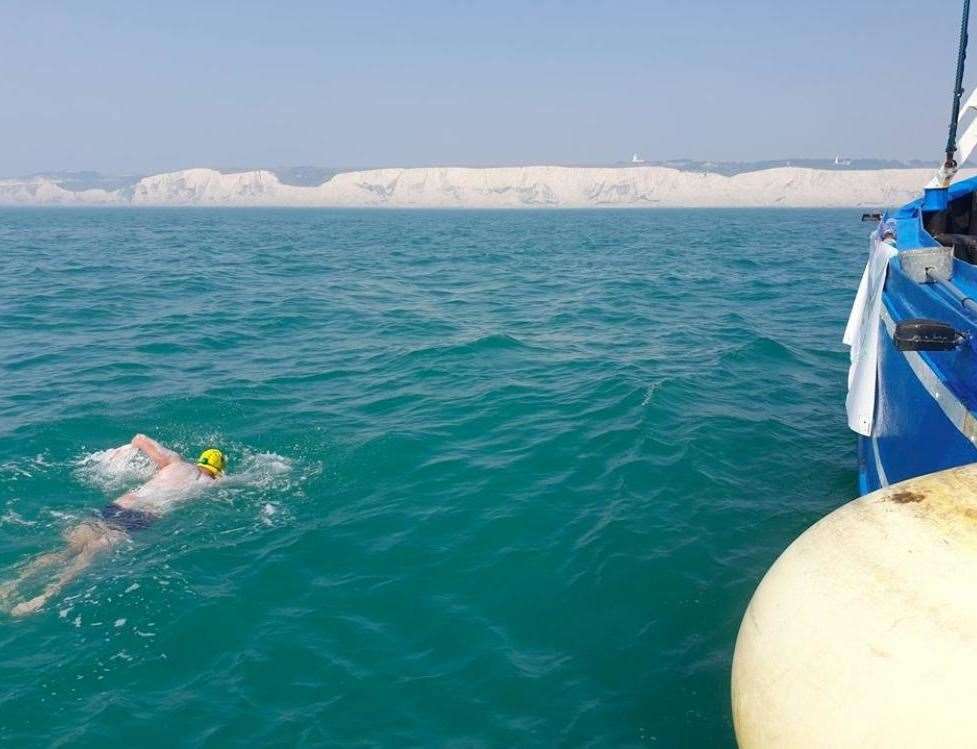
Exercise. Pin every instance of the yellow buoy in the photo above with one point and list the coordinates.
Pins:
(864, 632)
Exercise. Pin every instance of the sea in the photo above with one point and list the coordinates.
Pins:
(495, 478)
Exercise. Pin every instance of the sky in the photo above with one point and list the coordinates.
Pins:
(136, 88)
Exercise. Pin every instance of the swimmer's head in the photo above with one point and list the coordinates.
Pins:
(212, 461)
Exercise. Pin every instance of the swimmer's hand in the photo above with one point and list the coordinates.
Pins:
(160, 455)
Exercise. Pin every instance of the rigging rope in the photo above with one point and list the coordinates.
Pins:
(951, 144)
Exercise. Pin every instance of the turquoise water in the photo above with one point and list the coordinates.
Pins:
(497, 478)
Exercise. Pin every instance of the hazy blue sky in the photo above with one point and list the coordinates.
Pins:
(119, 87)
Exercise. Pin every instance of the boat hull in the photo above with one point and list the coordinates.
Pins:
(922, 424)
(925, 401)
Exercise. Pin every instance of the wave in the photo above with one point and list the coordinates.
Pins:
(492, 342)
(760, 351)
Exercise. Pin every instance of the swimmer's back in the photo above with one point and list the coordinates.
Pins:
(173, 483)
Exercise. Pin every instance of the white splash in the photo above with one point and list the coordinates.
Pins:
(115, 469)
(268, 510)
(259, 470)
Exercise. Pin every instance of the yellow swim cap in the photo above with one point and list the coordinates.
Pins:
(212, 461)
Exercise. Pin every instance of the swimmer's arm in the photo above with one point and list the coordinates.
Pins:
(160, 455)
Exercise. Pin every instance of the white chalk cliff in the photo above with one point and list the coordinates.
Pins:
(503, 187)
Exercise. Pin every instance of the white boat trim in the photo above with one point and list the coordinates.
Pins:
(879, 470)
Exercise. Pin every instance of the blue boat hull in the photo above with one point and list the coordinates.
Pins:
(926, 401)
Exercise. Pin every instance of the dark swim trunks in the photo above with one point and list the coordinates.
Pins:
(125, 519)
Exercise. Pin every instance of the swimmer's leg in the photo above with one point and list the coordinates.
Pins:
(77, 538)
(32, 566)
(69, 573)
(85, 542)
(38, 563)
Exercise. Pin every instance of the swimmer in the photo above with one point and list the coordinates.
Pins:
(174, 480)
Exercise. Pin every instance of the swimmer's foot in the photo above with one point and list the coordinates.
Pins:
(28, 607)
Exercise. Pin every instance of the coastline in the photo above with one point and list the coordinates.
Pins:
(496, 187)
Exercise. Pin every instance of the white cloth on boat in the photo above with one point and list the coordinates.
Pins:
(862, 335)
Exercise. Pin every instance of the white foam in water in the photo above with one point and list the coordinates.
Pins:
(268, 510)
(115, 469)
(14, 471)
(261, 470)
(12, 518)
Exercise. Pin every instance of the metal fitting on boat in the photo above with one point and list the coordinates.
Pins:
(928, 264)
(920, 334)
